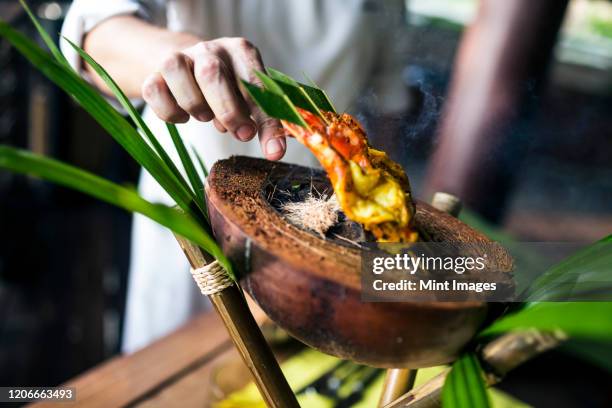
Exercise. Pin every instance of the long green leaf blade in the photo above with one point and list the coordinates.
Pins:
(192, 174)
(319, 97)
(24, 162)
(585, 275)
(57, 54)
(270, 84)
(464, 385)
(115, 124)
(589, 320)
(127, 105)
(279, 76)
(201, 163)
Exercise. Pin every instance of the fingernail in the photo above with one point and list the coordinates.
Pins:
(205, 117)
(274, 146)
(245, 132)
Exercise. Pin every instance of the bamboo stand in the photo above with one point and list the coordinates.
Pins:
(244, 331)
(499, 357)
(399, 381)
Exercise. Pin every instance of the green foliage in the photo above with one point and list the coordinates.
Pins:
(278, 98)
(587, 323)
(192, 173)
(21, 161)
(274, 105)
(586, 275)
(313, 102)
(316, 96)
(200, 162)
(281, 94)
(90, 99)
(191, 222)
(591, 320)
(464, 385)
(138, 120)
(57, 54)
(295, 94)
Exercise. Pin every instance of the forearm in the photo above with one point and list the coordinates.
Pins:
(130, 49)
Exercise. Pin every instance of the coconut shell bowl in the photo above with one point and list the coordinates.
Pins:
(311, 285)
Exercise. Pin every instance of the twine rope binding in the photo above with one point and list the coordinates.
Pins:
(211, 278)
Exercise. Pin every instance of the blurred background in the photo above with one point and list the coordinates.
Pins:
(64, 257)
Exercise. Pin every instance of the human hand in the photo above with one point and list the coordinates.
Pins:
(202, 81)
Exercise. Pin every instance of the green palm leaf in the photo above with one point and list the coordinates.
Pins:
(464, 386)
(316, 95)
(192, 174)
(131, 110)
(292, 90)
(21, 161)
(115, 124)
(281, 95)
(200, 162)
(57, 54)
(586, 275)
(588, 320)
(191, 222)
(275, 105)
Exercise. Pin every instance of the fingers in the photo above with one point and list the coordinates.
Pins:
(271, 138)
(156, 93)
(218, 85)
(219, 126)
(245, 59)
(203, 81)
(177, 71)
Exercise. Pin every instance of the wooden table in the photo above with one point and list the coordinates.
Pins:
(173, 371)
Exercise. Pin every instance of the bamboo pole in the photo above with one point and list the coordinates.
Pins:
(499, 357)
(231, 306)
(399, 381)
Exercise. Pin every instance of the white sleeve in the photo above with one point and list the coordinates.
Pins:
(84, 15)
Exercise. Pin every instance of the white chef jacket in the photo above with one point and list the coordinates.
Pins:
(343, 45)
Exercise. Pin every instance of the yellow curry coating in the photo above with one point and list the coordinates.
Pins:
(371, 188)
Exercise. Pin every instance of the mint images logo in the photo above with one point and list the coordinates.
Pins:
(434, 286)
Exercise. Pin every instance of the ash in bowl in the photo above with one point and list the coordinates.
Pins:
(310, 205)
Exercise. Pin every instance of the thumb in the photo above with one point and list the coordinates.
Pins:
(271, 137)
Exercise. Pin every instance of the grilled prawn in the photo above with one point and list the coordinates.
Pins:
(371, 189)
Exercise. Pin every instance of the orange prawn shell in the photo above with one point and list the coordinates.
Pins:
(342, 141)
